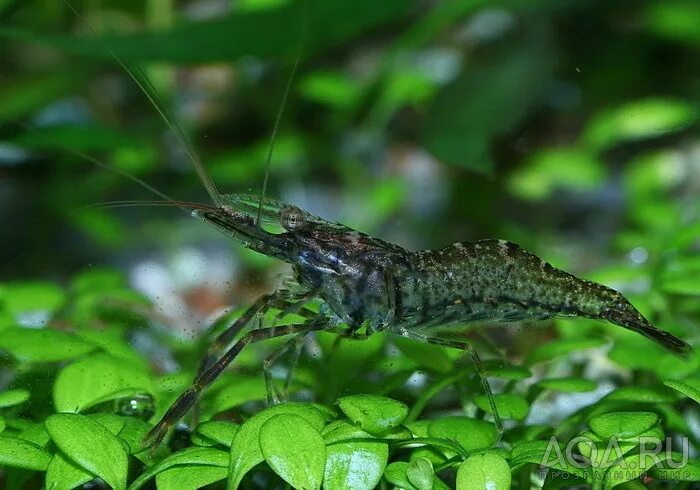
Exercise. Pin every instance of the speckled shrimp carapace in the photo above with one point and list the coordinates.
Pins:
(366, 281)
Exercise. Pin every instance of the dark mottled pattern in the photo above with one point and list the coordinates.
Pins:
(364, 279)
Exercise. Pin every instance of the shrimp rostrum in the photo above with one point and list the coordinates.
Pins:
(365, 281)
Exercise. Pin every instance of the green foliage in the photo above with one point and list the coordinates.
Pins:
(569, 128)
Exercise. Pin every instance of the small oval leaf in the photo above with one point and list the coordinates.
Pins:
(78, 436)
(509, 406)
(245, 447)
(622, 425)
(94, 379)
(487, 470)
(568, 385)
(294, 449)
(373, 413)
(43, 345)
(13, 397)
(356, 465)
(471, 434)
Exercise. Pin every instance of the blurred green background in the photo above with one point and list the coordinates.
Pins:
(567, 127)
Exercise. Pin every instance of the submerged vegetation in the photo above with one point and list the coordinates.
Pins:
(569, 129)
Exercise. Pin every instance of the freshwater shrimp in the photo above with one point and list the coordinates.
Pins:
(363, 281)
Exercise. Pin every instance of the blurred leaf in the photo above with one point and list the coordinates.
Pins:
(98, 279)
(641, 394)
(356, 465)
(243, 389)
(103, 227)
(10, 398)
(43, 345)
(557, 348)
(333, 89)
(24, 96)
(653, 174)
(646, 118)
(431, 357)
(487, 470)
(97, 378)
(623, 425)
(294, 449)
(675, 20)
(264, 33)
(18, 453)
(372, 413)
(554, 168)
(509, 406)
(78, 436)
(471, 434)
(490, 97)
(568, 385)
(509, 372)
(681, 276)
(26, 297)
(685, 389)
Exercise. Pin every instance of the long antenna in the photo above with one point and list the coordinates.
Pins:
(144, 83)
(278, 117)
(100, 163)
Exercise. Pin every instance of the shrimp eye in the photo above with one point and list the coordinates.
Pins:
(292, 218)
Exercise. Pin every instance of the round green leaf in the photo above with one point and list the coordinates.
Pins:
(487, 470)
(18, 453)
(509, 406)
(622, 425)
(95, 379)
(294, 449)
(373, 413)
(188, 457)
(245, 448)
(23, 297)
(687, 390)
(342, 430)
(395, 474)
(420, 473)
(638, 119)
(78, 437)
(512, 373)
(471, 434)
(558, 348)
(13, 397)
(98, 279)
(356, 465)
(568, 385)
(42, 345)
(641, 394)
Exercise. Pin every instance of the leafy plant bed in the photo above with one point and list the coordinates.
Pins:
(81, 394)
